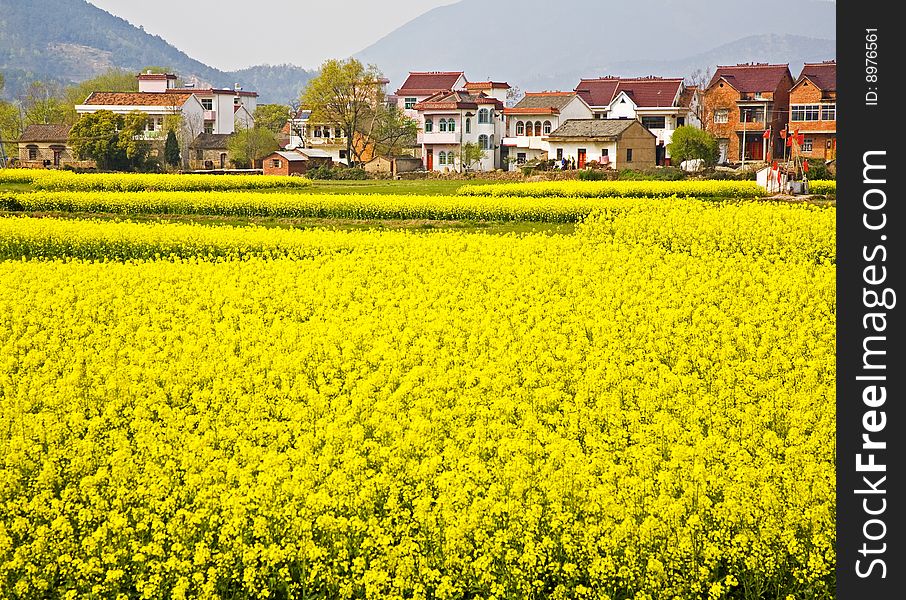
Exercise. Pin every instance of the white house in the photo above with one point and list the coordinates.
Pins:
(449, 120)
(304, 133)
(421, 85)
(213, 111)
(660, 104)
(531, 121)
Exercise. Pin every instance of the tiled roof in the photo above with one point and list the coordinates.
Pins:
(753, 77)
(597, 92)
(541, 100)
(592, 128)
(426, 83)
(823, 75)
(155, 76)
(45, 133)
(650, 91)
(210, 141)
(486, 85)
(457, 99)
(685, 99)
(137, 99)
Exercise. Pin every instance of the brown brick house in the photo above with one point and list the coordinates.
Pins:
(813, 110)
(295, 162)
(745, 108)
(46, 147)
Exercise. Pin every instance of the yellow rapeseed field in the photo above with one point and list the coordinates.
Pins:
(134, 182)
(602, 189)
(644, 409)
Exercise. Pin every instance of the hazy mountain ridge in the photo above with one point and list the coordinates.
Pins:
(72, 40)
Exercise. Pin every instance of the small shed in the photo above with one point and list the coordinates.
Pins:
(295, 162)
(46, 146)
(620, 143)
(210, 151)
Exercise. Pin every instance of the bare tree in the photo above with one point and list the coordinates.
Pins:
(513, 96)
(699, 78)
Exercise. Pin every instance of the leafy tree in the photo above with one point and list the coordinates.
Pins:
(690, 143)
(10, 127)
(345, 94)
(469, 154)
(171, 149)
(247, 146)
(392, 131)
(43, 104)
(272, 117)
(114, 142)
(113, 80)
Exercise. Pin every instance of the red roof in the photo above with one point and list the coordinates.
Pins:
(823, 75)
(650, 91)
(487, 85)
(753, 77)
(456, 100)
(137, 99)
(597, 92)
(155, 76)
(427, 83)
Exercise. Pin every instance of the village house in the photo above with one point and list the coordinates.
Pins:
(209, 151)
(746, 106)
(450, 120)
(660, 104)
(209, 110)
(620, 143)
(533, 119)
(421, 85)
(305, 133)
(47, 147)
(813, 110)
(295, 162)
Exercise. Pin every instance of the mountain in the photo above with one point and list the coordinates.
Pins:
(72, 40)
(537, 43)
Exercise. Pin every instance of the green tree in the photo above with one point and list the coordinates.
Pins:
(113, 80)
(272, 117)
(392, 131)
(115, 142)
(171, 149)
(469, 154)
(247, 146)
(43, 104)
(10, 127)
(345, 94)
(690, 143)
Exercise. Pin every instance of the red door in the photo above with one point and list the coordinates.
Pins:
(754, 148)
(429, 160)
(581, 163)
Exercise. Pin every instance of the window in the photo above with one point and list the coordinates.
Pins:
(654, 122)
(337, 132)
(807, 144)
(520, 128)
(751, 114)
(804, 112)
(829, 112)
(628, 154)
(468, 125)
(451, 125)
(342, 154)
(149, 125)
(209, 128)
(207, 103)
(529, 128)
(442, 156)
(317, 132)
(491, 142)
(199, 154)
(484, 116)
(680, 121)
(32, 152)
(429, 125)
(559, 153)
(443, 124)
(409, 103)
(604, 152)
(520, 158)
(236, 101)
(483, 142)
(721, 115)
(547, 127)
(275, 163)
(538, 128)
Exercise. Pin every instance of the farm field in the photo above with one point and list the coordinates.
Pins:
(607, 397)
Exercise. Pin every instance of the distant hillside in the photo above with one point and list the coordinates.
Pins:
(73, 40)
(532, 43)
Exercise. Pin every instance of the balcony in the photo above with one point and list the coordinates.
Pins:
(210, 115)
(439, 137)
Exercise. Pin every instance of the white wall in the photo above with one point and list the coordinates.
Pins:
(593, 151)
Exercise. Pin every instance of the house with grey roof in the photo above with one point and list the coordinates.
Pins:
(530, 122)
(616, 143)
(47, 147)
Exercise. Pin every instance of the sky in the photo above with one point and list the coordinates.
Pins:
(233, 34)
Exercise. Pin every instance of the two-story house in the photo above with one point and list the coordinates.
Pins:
(450, 120)
(212, 111)
(813, 110)
(306, 133)
(660, 104)
(746, 106)
(421, 85)
(531, 121)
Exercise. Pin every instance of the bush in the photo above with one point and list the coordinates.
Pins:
(659, 174)
(818, 170)
(339, 173)
(592, 175)
(689, 143)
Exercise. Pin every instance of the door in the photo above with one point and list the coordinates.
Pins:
(223, 158)
(581, 163)
(754, 149)
(429, 160)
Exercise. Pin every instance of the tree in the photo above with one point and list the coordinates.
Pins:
(345, 94)
(247, 146)
(392, 131)
(171, 149)
(112, 80)
(699, 78)
(690, 143)
(43, 104)
(469, 154)
(513, 96)
(272, 117)
(114, 142)
(10, 127)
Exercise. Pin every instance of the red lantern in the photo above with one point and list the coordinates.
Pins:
(805, 166)
(766, 134)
